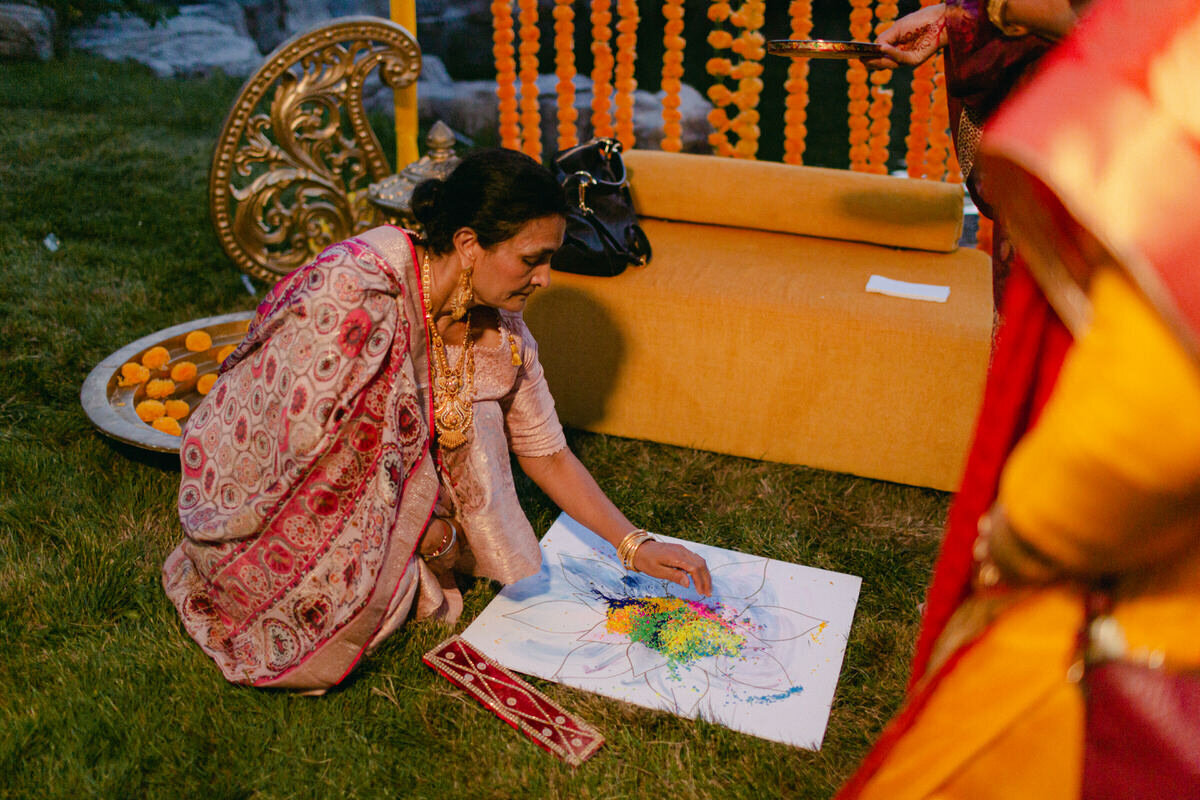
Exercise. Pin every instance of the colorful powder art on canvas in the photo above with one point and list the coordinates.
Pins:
(760, 655)
(683, 631)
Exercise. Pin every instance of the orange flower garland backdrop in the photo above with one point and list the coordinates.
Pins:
(856, 76)
(564, 63)
(750, 46)
(919, 117)
(531, 117)
(939, 125)
(506, 73)
(672, 72)
(881, 98)
(624, 79)
(795, 131)
(602, 67)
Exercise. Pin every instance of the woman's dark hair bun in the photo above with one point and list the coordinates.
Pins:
(425, 200)
(492, 191)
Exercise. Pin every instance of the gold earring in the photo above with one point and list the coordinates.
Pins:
(463, 294)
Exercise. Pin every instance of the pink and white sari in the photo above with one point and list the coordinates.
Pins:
(309, 476)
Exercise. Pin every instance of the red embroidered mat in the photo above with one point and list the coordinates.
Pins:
(516, 702)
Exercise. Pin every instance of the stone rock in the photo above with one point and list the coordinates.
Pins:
(270, 22)
(460, 33)
(470, 108)
(201, 39)
(25, 33)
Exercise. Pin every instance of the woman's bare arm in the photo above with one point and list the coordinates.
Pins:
(573, 489)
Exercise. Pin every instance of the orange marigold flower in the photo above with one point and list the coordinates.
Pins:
(159, 388)
(176, 409)
(168, 425)
(205, 384)
(183, 371)
(156, 357)
(719, 93)
(746, 147)
(718, 12)
(718, 66)
(720, 39)
(149, 410)
(197, 341)
(132, 374)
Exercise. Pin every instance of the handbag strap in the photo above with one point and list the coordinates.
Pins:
(608, 149)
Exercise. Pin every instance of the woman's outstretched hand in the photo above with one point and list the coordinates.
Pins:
(674, 563)
(912, 39)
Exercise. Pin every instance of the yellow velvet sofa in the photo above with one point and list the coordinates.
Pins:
(751, 331)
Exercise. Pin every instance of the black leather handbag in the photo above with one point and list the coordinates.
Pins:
(603, 236)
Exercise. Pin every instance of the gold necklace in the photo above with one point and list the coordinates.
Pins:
(453, 410)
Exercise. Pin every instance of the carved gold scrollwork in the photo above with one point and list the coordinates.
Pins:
(297, 154)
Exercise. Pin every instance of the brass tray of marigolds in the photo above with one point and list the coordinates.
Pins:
(143, 393)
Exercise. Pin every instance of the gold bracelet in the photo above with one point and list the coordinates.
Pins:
(995, 12)
(628, 547)
(446, 545)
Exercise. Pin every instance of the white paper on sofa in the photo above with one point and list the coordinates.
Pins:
(911, 291)
(761, 656)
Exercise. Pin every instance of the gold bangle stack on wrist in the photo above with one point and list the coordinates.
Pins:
(628, 547)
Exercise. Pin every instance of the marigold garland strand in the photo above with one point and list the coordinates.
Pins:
(506, 74)
(919, 119)
(624, 80)
(919, 116)
(531, 117)
(749, 45)
(939, 126)
(857, 90)
(564, 69)
(672, 72)
(602, 68)
(795, 132)
(881, 98)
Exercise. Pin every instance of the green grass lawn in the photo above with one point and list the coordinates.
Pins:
(101, 692)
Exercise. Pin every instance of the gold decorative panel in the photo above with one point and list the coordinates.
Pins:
(296, 154)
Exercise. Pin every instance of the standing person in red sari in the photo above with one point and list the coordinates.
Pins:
(1093, 166)
(354, 453)
(990, 49)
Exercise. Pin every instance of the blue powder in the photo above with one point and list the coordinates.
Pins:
(775, 698)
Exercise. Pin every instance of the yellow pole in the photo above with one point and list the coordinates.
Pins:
(404, 12)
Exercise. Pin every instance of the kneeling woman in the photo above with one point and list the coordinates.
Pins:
(354, 452)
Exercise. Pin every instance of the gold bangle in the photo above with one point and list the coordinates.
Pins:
(446, 545)
(628, 547)
(995, 12)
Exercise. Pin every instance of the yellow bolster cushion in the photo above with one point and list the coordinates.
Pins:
(810, 201)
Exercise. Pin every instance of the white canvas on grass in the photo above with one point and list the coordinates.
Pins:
(781, 628)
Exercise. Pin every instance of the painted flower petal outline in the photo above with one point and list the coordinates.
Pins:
(643, 659)
(599, 633)
(592, 601)
(779, 624)
(758, 669)
(555, 616)
(680, 695)
(592, 661)
(588, 574)
(734, 579)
